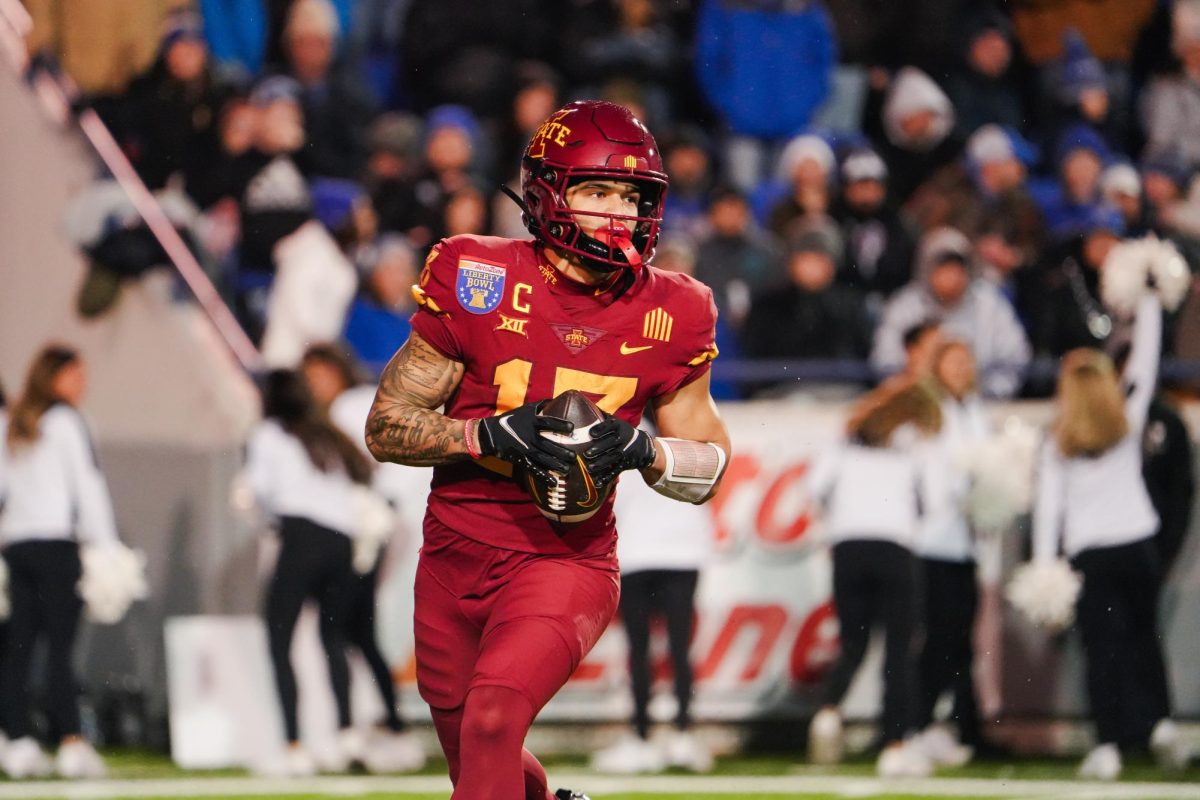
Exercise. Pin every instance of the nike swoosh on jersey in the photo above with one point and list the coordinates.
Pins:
(626, 350)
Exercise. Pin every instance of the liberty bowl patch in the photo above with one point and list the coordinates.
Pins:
(480, 286)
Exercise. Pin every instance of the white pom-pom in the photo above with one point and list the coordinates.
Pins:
(5, 602)
(113, 577)
(376, 524)
(1045, 592)
(1123, 279)
(1001, 470)
(1172, 278)
(1131, 264)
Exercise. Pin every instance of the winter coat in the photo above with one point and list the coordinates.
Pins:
(765, 65)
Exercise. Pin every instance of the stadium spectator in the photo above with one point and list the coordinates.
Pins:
(1080, 93)
(377, 323)
(1109, 29)
(765, 67)
(538, 93)
(1070, 314)
(811, 316)
(466, 53)
(1172, 206)
(466, 211)
(332, 379)
(1170, 105)
(982, 86)
(807, 169)
(166, 120)
(393, 164)
(236, 34)
(922, 342)
(55, 500)
(1121, 188)
(989, 181)
(272, 193)
(662, 550)
(1091, 502)
(451, 161)
(874, 571)
(879, 242)
(689, 163)
(915, 131)
(303, 472)
(946, 288)
(337, 108)
(625, 40)
(346, 212)
(1007, 262)
(737, 258)
(1070, 200)
(945, 545)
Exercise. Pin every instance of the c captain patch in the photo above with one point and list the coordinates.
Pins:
(480, 285)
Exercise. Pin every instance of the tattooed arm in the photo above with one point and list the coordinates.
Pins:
(404, 426)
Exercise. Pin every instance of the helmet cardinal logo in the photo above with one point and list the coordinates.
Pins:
(552, 130)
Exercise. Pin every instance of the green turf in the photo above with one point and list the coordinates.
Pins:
(135, 764)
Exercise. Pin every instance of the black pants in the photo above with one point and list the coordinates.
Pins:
(671, 593)
(874, 582)
(1118, 617)
(360, 632)
(950, 600)
(314, 562)
(42, 576)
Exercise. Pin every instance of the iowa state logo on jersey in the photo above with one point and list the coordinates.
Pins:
(480, 285)
(576, 338)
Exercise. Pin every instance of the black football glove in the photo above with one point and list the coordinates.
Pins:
(616, 447)
(516, 436)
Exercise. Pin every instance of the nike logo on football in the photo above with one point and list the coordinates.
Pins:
(626, 350)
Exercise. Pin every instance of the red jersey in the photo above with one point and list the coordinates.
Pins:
(526, 332)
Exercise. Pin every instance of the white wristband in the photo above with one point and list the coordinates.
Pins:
(691, 470)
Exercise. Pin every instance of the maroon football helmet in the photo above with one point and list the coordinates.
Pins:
(594, 139)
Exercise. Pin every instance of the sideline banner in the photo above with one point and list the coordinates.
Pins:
(765, 631)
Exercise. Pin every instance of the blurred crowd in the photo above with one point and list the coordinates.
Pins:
(834, 183)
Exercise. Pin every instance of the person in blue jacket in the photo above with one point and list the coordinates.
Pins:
(766, 67)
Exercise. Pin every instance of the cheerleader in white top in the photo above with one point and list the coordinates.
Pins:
(55, 499)
(661, 547)
(1092, 503)
(947, 551)
(333, 380)
(872, 489)
(304, 473)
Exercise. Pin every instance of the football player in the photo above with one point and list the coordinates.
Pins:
(507, 602)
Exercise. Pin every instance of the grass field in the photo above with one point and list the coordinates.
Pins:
(148, 776)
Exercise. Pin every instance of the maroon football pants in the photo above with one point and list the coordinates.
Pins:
(498, 633)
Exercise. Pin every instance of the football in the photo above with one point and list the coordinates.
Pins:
(572, 497)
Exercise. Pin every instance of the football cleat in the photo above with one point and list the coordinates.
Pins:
(567, 794)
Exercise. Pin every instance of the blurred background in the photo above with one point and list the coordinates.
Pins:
(842, 172)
